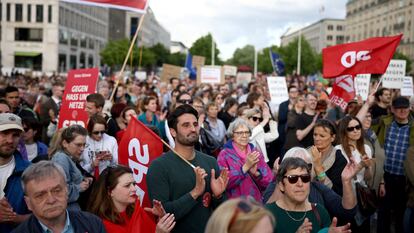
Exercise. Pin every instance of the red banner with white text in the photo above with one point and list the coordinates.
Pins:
(80, 83)
(369, 56)
(343, 91)
(138, 147)
(139, 6)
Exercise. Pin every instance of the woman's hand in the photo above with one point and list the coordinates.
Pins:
(382, 190)
(317, 156)
(84, 185)
(163, 115)
(343, 229)
(306, 227)
(157, 209)
(165, 224)
(366, 161)
(251, 160)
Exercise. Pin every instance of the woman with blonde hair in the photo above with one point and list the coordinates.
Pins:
(240, 216)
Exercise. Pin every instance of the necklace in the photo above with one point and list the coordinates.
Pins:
(294, 219)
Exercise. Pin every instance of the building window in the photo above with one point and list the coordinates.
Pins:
(74, 40)
(63, 37)
(90, 61)
(91, 44)
(330, 27)
(49, 13)
(28, 60)
(62, 62)
(73, 61)
(8, 12)
(28, 34)
(83, 42)
(329, 38)
(39, 13)
(1, 11)
(339, 28)
(29, 13)
(18, 13)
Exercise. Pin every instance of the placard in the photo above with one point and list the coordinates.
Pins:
(210, 74)
(407, 87)
(79, 85)
(394, 75)
(277, 89)
(362, 83)
(141, 75)
(230, 70)
(198, 61)
(243, 78)
(169, 71)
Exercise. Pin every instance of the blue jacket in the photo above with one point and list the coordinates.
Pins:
(14, 191)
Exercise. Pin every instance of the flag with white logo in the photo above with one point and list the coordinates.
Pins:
(370, 56)
(343, 91)
(139, 6)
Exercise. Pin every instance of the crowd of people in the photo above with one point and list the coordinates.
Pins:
(238, 164)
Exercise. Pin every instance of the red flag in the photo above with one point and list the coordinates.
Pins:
(139, 6)
(343, 91)
(137, 149)
(141, 222)
(369, 56)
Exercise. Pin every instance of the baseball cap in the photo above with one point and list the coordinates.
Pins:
(401, 102)
(10, 121)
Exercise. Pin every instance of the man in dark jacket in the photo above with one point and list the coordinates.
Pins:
(46, 195)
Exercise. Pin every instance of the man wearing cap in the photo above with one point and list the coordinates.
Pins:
(396, 135)
(13, 209)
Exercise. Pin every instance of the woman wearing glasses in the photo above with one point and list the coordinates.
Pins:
(101, 149)
(249, 174)
(67, 154)
(257, 122)
(293, 211)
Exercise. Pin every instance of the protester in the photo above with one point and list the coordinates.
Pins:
(4, 106)
(290, 126)
(67, 154)
(229, 112)
(249, 174)
(149, 116)
(127, 114)
(13, 209)
(193, 200)
(52, 104)
(114, 198)
(383, 102)
(306, 121)
(240, 215)
(284, 109)
(215, 125)
(94, 105)
(101, 150)
(46, 195)
(13, 99)
(36, 150)
(218, 99)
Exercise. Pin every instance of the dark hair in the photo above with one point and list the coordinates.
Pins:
(380, 92)
(343, 125)
(251, 98)
(100, 202)
(126, 109)
(93, 120)
(292, 86)
(289, 164)
(58, 84)
(230, 102)
(327, 125)
(4, 101)
(179, 111)
(172, 79)
(70, 133)
(117, 109)
(33, 123)
(97, 99)
(181, 94)
(10, 89)
(146, 101)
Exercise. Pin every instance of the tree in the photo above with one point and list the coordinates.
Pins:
(161, 54)
(177, 59)
(243, 56)
(289, 56)
(263, 59)
(202, 47)
(400, 56)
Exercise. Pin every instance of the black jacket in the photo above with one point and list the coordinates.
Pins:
(82, 222)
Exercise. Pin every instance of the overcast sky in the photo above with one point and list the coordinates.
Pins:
(236, 23)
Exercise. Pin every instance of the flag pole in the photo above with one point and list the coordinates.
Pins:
(127, 56)
(299, 51)
(255, 62)
(175, 152)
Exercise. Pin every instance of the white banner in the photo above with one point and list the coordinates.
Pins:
(361, 83)
(243, 78)
(230, 70)
(277, 89)
(394, 75)
(210, 74)
(407, 87)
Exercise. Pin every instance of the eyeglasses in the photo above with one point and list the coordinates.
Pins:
(256, 118)
(98, 132)
(350, 129)
(293, 179)
(185, 101)
(244, 207)
(242, 133)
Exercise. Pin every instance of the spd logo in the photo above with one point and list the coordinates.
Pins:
(351, 57)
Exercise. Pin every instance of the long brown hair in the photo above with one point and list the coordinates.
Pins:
(101, 203)
(343, 125)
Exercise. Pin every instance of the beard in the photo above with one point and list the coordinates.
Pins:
(189, 140)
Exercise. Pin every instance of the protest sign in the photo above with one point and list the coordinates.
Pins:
(243, 78)
(169, 71)
(361, 83)
(230, 70)
(278, 89)
(394, 75)
(342, 91)
(210, 74)
(79, 85)
(407, 87)
(141, 75)
(198, 61)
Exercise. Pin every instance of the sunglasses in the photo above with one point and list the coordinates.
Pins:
(185, 101)
(98, 132)
(293, 179)
(256, 118)
(244, 207)
(350, 129)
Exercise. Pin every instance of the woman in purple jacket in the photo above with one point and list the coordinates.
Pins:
(248, 172)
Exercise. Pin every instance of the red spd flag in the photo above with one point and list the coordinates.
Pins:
(369, 56)
(343, 91)
(137, 149)
(139, 6)
(141, 222)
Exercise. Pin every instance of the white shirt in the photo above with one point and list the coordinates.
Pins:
(31, 151)
(357, 158)
(5, 171)
(107, 143)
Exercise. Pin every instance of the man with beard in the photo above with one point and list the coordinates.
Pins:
(46, 195)
(191, 193)
(13, 210)
(383, 102)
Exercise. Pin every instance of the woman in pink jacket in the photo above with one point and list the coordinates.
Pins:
(249, 174)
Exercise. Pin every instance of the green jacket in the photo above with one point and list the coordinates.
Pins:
(384, 124)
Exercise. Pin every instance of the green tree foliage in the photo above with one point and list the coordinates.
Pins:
(400, 56)
(202, 47)
(161, 54)
(263, 60)
(177, 59)
(243, 56)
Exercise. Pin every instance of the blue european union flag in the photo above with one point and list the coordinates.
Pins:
(277, 63)
(189, 65)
